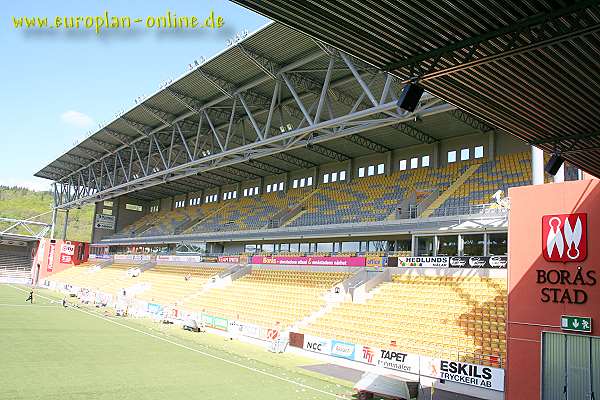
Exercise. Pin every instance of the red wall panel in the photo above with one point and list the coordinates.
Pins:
(528, 314)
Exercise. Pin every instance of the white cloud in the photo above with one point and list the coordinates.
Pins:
(77, 119)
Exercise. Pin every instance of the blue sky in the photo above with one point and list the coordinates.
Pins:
(57, 85)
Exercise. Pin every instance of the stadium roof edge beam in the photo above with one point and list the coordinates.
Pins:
(261, 98)
(529, 68)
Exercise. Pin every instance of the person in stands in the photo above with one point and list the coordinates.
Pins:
(30, 298)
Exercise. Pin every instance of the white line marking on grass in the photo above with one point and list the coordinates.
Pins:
(28, 305)
(198, 351)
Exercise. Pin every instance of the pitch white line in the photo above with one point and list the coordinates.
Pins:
(197, 351)
(28, 305)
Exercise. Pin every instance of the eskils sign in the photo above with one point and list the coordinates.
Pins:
(460, 372)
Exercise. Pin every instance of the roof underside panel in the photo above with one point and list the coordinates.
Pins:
(531, 68)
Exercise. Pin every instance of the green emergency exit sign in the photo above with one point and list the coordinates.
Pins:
(578, 324)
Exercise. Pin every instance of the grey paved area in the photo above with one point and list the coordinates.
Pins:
(353, 375)
(336, 371)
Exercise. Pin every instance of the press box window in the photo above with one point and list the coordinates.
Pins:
(342, 175)
(478, 152)
(380, 169)
(108, 203)
(497, 244)
(361, 172)
(464, 154)
(402, 165)
(447, 245)
(295, 184)
(414, 163)
(281, 184)
(452, 156)
(371, 170)
(268, 188)
(334, 177)
(107, 211)
(425, 161)
(326, 178)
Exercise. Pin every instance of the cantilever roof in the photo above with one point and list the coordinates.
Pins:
(531, 68)
(248, 67)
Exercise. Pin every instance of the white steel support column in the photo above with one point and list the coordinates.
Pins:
(66, 226)
(560, 175)
(52, 229)
(537, 166)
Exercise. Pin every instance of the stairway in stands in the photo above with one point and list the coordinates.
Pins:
(450, 191)
(302, 211)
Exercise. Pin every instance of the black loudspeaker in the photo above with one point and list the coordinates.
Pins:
(410, 96)
(554, 164)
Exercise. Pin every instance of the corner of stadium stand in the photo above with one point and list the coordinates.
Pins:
(283, 181)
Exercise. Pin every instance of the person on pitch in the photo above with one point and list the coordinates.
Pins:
(30, 298)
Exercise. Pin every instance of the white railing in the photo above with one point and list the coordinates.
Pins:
(491, 209)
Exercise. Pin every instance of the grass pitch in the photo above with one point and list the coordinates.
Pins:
(48, 352)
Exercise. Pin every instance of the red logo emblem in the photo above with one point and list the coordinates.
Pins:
(564, 237)
(368, 354)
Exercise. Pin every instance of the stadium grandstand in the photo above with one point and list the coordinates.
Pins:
(280, 191)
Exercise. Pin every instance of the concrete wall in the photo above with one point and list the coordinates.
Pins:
(506, 144)
(193, 195)
(123, 216)
(127, 217)
(409, 152)
(299, 174)
(269, 180)
(181, 197)
(97, 233)
(233, 248)
(166, 204)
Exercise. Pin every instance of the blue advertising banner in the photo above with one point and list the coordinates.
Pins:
(342, 349)
(154, 308)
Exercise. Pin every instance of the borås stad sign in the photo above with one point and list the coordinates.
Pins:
(564, 240)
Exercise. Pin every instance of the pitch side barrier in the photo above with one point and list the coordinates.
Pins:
(349, 264)
(479, 380)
